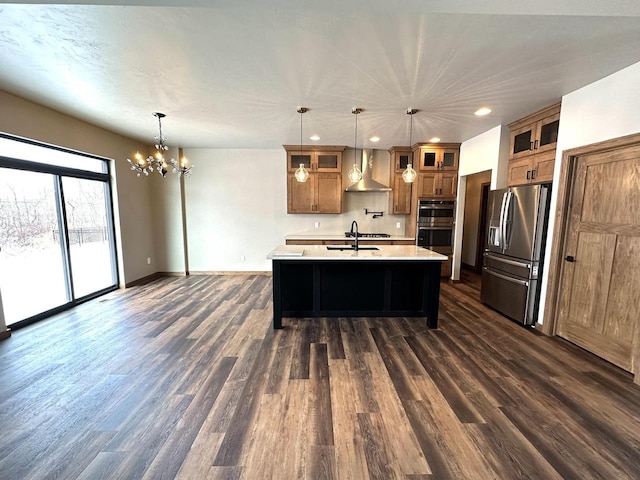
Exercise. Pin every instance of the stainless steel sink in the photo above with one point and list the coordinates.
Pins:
(349, 247)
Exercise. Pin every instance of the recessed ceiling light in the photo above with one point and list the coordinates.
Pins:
(481, 112)
(434, 140)
(315, 138)
(375, 139)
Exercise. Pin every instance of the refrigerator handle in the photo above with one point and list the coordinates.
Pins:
(524, 283)
(500, 242)
(507, 209)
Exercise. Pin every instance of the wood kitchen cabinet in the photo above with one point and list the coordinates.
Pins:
(436, 156)
(400, 196)
(437, 185)
(532, 147)
(315, 158)
(531, 169)
(437, 168)
(322, 192)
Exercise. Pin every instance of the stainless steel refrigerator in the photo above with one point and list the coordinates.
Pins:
(514, 251)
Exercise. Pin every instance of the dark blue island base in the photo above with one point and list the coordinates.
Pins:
(358, 288)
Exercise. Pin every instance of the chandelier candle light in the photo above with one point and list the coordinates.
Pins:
(409, 175)
(142, 165)
(302, 174)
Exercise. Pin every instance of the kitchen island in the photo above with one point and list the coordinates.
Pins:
(388, 281)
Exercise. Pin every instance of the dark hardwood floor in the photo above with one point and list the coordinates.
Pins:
(185, 378)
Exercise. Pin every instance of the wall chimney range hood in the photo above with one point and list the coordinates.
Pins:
(367, 184)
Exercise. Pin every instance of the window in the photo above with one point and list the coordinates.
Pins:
(56, 229)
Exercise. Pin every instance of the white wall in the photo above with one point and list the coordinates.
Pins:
(237, 206)
(167, 220)
(487, 151)
(600, 111)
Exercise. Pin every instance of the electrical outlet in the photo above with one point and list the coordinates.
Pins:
(316, 224)
(242, 258)
(397, 224)
(148, 260)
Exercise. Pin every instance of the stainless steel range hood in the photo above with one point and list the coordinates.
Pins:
(367, 184)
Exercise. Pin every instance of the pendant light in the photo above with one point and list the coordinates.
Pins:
(355, 174)
(409, 174)
(302, 174)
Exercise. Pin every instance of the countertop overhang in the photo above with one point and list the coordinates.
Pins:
(385, 252)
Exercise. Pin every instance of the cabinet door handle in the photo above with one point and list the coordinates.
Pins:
(533, 174)
(535, 145)
(528, 174)
(530, 145)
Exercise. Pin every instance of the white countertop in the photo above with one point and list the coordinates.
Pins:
(385, 252)
(320, 237)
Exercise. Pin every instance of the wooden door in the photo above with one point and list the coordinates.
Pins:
(547, 134)
(329, 196)
(300, 197)
(427, 184)
(599, 304)
(448, 184)
(521, 143)
(401, 196)
(543, 167)
(519, 171)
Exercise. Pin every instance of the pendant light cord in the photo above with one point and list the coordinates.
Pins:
(411, 111)
(355, 142)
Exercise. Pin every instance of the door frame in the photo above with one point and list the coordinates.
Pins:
(482, 224)
(560, 229)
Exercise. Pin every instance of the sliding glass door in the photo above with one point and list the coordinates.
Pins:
(57, 243)
(92, 266)
(32, 266)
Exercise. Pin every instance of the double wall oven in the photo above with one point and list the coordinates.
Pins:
(436, 225)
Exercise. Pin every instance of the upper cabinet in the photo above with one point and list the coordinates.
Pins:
(400, 196)
(437, 170)
(400, 158)
(315, 158)
(532, 147)
(437, 184)
(322, 192)
(436, 156)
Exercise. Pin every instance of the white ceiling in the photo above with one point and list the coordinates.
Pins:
(230, 73)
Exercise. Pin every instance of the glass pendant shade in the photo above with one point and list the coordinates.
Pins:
(355, 174)
(302, 174)
(409, 174)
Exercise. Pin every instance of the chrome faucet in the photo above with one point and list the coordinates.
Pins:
(355, 238)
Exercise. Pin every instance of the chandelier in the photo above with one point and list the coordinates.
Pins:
(409, 175)
(157, 161)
